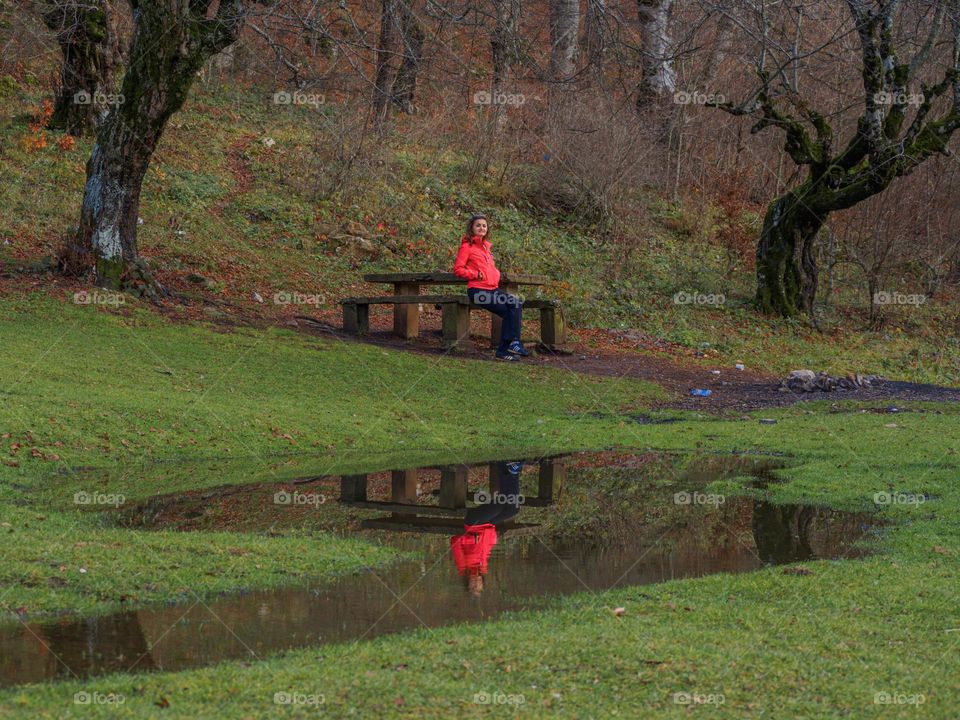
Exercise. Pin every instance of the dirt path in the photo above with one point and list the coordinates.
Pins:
(731, 389)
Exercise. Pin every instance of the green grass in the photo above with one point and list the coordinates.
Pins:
(119, 390)
(122, 389)
(96, 387)
(63, 561)
(278, 235)
(822, 644)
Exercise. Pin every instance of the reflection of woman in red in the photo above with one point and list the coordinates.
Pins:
(472, 549)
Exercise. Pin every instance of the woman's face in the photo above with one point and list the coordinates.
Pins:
(479, 227)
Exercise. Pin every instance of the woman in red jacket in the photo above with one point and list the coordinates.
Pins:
(475, 263)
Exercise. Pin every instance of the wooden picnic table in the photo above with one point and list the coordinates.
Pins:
(406, 317)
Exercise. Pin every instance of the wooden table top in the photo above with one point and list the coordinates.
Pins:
(446, 278)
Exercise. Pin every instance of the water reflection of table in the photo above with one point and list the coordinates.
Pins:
(408, 514)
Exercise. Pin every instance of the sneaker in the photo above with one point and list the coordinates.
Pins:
(517, 348)
(504, 355)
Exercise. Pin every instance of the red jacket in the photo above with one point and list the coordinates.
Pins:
(473, 258)
(471, 550)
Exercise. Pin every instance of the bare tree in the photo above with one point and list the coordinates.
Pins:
(564, 31)
(659, 77)
(504, 43)
(171, 42)
(386, 49)
(411, 37)
(595, 35)
(887, 143)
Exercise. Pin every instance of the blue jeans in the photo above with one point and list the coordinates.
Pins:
(508, 307)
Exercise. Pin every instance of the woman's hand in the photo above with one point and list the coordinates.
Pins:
(479, 275)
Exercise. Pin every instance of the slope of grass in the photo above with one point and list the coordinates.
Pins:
(236, 195)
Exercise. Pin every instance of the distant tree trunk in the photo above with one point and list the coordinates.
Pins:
(385, 50)
(503, 43)
(87, 35)
(411, 36)
(564, 30)
(595, 36)
(171, 42)
(659, 77)
(786, 266)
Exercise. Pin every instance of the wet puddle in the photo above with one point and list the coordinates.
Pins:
(537, 529)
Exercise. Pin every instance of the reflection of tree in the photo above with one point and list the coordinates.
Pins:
(782, 533)
(97, 645)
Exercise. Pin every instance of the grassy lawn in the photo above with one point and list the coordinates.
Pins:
(130, 393)
(83, 387)
(838, 641)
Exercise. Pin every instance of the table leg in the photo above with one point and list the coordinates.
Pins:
(353, 487)
(403, 485)
(552, 473)
(406, 317)
(453, 487)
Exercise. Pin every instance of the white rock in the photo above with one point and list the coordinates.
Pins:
(802, 375)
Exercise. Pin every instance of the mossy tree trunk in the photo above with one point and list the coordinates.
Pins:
(87, 35)
(786, 266)
(171, 42)
(885, 146)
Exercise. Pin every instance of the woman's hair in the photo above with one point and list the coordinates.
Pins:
(472, 220)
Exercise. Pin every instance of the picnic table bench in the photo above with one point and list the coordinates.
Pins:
(406, 300)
